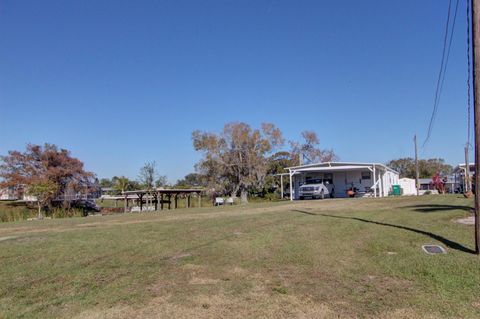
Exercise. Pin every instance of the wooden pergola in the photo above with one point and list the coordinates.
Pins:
(162, 197)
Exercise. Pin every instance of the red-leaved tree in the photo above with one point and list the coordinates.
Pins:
(45, 172)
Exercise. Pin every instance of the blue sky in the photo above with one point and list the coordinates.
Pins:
(120, 83)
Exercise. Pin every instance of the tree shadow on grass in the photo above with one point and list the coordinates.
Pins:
(445, 241)
(432, 208)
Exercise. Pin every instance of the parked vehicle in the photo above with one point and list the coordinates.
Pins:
(314, 189)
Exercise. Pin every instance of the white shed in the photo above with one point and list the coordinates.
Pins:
(371, 179)
(408, 186)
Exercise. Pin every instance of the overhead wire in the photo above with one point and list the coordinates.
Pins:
(447, 42)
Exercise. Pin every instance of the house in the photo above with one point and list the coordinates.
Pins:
(369, 179)
(15, 193)
(8, 193)
(426, 185)
(459, 173)
(451, 183)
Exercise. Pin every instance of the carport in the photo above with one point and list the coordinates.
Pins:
(371, 179)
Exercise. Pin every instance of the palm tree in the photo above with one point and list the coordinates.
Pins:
(122, 183)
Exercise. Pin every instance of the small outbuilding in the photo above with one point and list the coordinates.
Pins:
(367, 179)
(408, 186)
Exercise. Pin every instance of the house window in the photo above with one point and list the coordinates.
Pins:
(366, 175)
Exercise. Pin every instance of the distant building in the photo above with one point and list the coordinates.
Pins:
(459, 173)
(8, 193)
(426, 186)
(451, 182)
(15, 193)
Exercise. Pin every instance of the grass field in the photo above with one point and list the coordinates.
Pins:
(14, 211)
(310, 259)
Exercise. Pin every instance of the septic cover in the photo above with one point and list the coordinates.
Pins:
(433, 249)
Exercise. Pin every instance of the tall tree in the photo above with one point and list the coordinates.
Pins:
(46, 172)
(404, 166)
(148, 174)
(235, 160)
(309, 150)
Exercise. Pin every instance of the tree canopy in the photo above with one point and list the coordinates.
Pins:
(309, 150)
(427, 167)
(235, 159)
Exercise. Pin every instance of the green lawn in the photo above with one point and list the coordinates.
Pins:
(343, 258)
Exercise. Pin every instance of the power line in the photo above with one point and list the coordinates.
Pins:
(448, 51)
(447, 42)
(439, 76)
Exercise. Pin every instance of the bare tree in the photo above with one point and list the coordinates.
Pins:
(309, 151)
(148, 174)
(161, 181)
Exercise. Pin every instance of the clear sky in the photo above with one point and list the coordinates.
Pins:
(120, 83)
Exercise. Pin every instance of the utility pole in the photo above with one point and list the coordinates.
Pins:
(417, 184)
(476, 103)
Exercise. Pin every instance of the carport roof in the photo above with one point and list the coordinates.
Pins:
(331, 166)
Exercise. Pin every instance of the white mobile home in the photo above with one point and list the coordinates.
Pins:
(367, 179)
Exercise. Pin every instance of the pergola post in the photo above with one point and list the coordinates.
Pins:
(155, 200)
(374, 182)
(140, 196)
(176, 201)
(199, 199)
(188, 201)
(125, 203)
(161, 201)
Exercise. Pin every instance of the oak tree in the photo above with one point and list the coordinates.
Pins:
(235, 160)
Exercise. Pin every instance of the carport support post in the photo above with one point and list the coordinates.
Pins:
(374, 182)
(380, 189)
(290, 173)
(281, 186)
